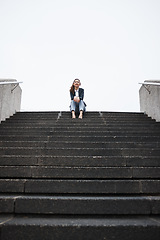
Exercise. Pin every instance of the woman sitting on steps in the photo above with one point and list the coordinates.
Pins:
(77, 95)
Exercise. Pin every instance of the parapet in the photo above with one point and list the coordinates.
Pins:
(10, 98)
(149, 95)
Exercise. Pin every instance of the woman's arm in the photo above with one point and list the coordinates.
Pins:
(72, 96)
(81, 93)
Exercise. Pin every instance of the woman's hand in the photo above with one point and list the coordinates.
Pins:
(77, 99)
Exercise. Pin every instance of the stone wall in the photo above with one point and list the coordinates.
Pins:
(149, 95)
(10, 100)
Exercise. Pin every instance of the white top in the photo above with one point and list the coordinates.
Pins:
(77, 93)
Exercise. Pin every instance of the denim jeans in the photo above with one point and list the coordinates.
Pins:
(80, 106)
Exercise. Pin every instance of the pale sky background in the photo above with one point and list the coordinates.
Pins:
(110, 45)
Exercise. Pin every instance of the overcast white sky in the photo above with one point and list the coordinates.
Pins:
(110, 45)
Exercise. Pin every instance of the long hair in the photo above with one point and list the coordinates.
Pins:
(72, 87)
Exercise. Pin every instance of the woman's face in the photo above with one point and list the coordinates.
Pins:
(76, 83)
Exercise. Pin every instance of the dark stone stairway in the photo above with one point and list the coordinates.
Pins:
(91, 179)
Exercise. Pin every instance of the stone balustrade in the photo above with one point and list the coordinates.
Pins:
(10, 98)
(149, 95)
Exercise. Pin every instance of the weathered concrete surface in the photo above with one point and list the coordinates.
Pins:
(10, 101)
(150, 99)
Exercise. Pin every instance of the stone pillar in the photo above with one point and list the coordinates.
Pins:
(149, 95)
(10, 100)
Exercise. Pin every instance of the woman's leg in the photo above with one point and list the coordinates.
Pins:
(73, 114)
(81, 114)
(73, 108)
(81, 106)
(81, 109)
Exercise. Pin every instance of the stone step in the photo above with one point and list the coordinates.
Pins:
(108, 113)
(105, 138)
(79, 144)
(107, 116)
(79, 151)
(8, 125)
(75, 161)
(35, 114)
(124, 115)
(103, 119)
(57, 116)
(38, 120)
(86, 117)
(129, 120)
(124, 133)
(85, 120)
(58, 172)
(80, 186)
(77, 227)
(40, 112)
(52, 114)
(74, 122)
(95, 113)
(80, 129)
(80, 205)
(65, 113)
(82, 122)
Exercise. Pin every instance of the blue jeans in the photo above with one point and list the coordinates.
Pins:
(80, 106)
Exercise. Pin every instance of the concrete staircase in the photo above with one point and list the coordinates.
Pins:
(91, 179)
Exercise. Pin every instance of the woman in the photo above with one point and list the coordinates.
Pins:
(77, 95)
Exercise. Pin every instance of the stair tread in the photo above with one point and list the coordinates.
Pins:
(79, 227)
(80, 220)
(101, 205)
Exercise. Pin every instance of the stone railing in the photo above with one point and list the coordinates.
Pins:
(10, 98)
(149, 95)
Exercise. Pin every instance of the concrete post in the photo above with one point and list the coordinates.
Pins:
(10, 100)
(149, 96)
